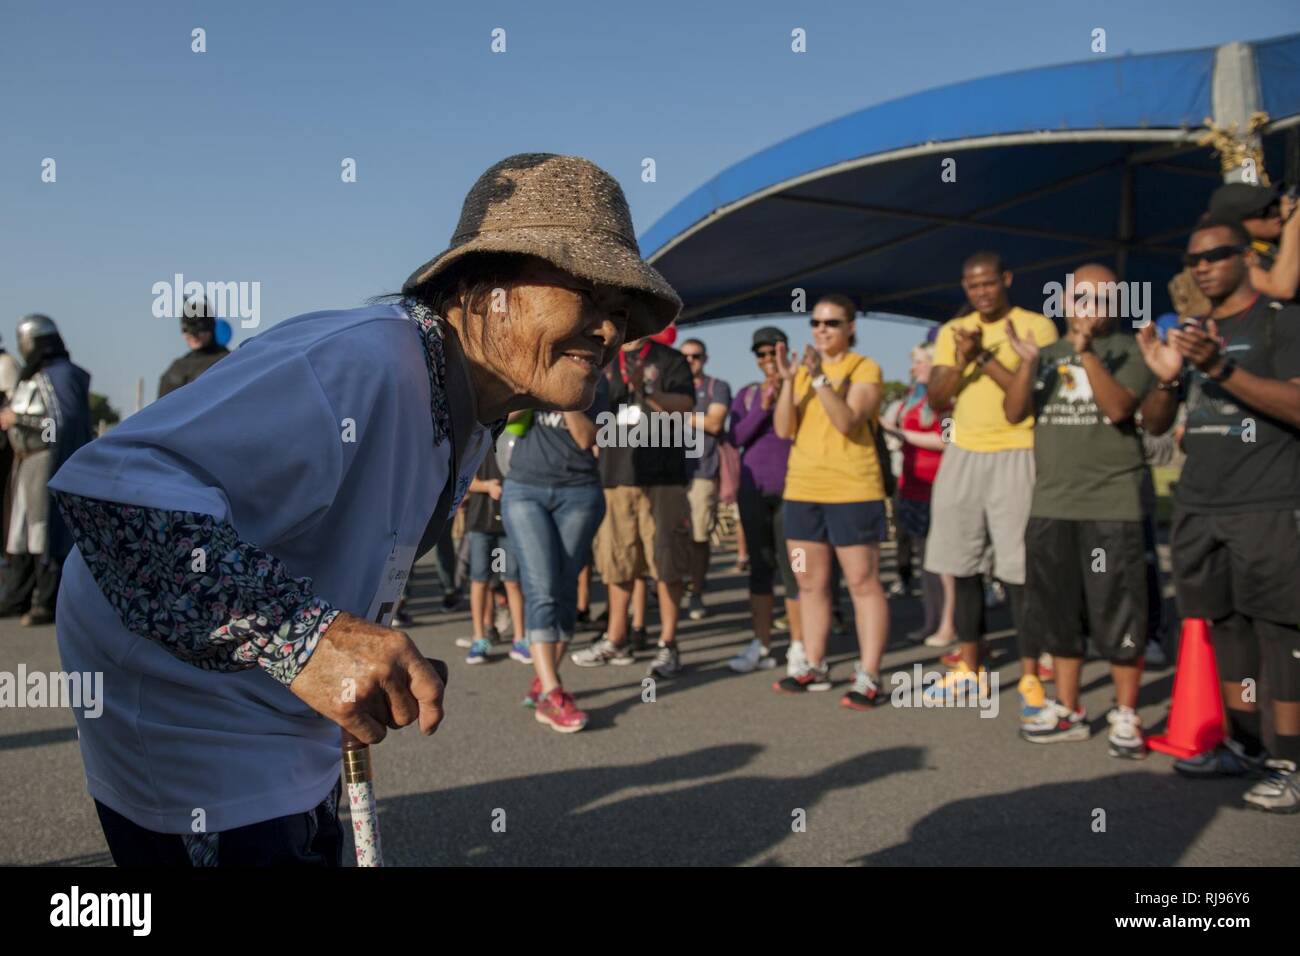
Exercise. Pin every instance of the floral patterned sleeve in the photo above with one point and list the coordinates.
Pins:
(188, 582)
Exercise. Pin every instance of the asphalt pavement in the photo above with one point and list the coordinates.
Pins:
(716, 770)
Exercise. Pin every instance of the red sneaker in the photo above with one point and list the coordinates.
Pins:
(534, 692)
(558, 709)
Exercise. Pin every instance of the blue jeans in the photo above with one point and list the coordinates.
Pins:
(483, 555)
(551, 529)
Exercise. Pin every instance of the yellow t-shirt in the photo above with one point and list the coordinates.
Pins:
(978, 421)
(826, 465)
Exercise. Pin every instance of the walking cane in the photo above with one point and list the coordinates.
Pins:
(360, 782)
(359, 777)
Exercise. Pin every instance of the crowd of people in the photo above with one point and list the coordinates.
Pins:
(230, 537)
(1022, 464)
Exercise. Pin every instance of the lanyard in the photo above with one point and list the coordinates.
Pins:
(622, 360)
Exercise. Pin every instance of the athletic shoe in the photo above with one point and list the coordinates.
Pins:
(519, 652)
(36, 617)
(1226, 760)
(1279, 792)
(534, 692)
(1056, 723)
(781, 623)
(602, 652)
(1125, 738)
(639, 639)
(952, 659)
(465, 642)
(937, 639)
(959, 683)
(1046, 670)
(583, 617)
(865, 693)
(697, 611)
(1032, 697)
(808, 679)
(1156, 656)
(451, 600)
(667, 663)
(558, 709)
(754, 657)
(795, 659)
(896, 589)
(478, 652)
(401, 619)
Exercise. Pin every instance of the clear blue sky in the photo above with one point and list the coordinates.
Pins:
(225, 165)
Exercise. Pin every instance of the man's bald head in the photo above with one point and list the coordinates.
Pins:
(1093, 285)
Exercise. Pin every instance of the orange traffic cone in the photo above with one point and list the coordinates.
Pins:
(1196, 714)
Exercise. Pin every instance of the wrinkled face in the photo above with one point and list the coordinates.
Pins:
(986, 288)
(831, 328)
(1220, 278)
(553, 333)
(921, 365)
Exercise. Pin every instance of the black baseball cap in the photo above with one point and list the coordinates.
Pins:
(768, 335)
(1242, 200)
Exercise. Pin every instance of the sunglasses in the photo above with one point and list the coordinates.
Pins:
(829, 323)
(764, 353)
(693, 356)
(1217, 254)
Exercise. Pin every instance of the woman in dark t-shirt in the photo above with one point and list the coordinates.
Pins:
(552, 504)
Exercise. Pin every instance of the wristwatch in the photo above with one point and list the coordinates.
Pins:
(1229, 366)
(821, 380)
(983, 358)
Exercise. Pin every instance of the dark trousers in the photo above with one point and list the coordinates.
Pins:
(31, 580)
(314, 838)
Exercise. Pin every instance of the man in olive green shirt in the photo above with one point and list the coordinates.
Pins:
(1084, 550)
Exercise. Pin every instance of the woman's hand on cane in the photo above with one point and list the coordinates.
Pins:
(368, 678)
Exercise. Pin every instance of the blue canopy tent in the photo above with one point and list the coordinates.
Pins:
(1102, 160)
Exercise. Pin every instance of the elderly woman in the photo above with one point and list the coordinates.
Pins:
(241, 543)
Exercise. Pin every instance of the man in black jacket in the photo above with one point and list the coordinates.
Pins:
(200, 330)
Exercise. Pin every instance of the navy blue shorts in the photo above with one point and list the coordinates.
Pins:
(843, 525)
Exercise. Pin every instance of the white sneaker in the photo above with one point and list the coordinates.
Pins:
(1125, 736)
(795, 659)
(938, 640)
(697, 611)
(465, 642)
(754, 657)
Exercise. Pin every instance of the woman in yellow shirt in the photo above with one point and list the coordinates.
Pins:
(834, 497)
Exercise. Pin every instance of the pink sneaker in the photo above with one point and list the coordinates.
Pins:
(558, 709)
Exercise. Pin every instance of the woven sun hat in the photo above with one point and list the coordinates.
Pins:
(568, 211)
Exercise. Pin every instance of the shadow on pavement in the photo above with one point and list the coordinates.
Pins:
(1150, 819)
(572, 817)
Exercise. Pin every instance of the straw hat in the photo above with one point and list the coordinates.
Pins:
(568, 211)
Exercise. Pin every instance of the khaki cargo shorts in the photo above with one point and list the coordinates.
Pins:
(646, 531)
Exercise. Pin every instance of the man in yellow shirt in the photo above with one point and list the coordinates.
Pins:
(985, 483)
